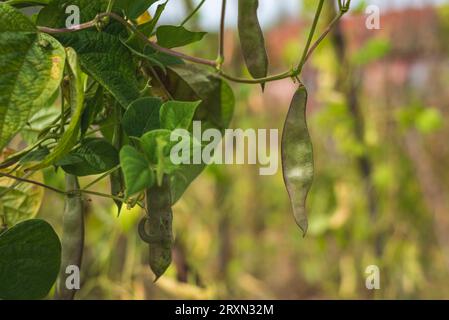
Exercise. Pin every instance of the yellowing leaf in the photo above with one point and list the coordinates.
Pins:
(22, 201)
(144, 18)
(31, 65)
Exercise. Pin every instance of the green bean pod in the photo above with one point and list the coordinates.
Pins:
(72, 237)
(297, 157)
(251, 39)
(156, 227)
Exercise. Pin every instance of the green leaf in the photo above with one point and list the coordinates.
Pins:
(142, 116)
(133, 9)
(251, 39)
(22, 202)
(36, 155)
(110, 63)
(40, 121)
(94, 156)
(178, 114)
(70, 136)
(157, 147)
(176, 36)
(147, 28)
(30, 257)
(149, 142)
(136, 170)
(155, 58)
(31, 65)
(94, 104)
(192, 83)
(102, 55)
(297, 157)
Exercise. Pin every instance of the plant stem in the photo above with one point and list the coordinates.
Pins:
(103, 195)
(284, 75)
(127, 24)
(222, 35)
(309, 39)
(323, 35)
(104, 175)
(198, 7)
(110, 6)
(2, 174)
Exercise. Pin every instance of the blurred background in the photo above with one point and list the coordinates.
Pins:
(378, 100)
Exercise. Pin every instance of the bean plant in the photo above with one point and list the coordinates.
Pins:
(122, 87)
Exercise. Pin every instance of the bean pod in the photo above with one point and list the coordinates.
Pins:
(297, 157)
(156, 228)
(251, 39)
(72, 237)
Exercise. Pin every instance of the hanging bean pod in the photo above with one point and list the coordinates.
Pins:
(297, 157)
(72, 236)
(156, 227)
(251, 39)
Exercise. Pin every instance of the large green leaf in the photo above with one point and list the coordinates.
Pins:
(177, 36)
(30, 256)
(20, 202)
(189, 82)
(136, 170)
(142, 116)
(94, 156)
(102, 54)
(31, 69)
(70, 136)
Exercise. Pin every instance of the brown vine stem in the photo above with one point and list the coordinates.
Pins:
(215, 64)
(125, 23)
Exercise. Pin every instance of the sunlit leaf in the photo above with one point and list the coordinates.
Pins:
(32, 66)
